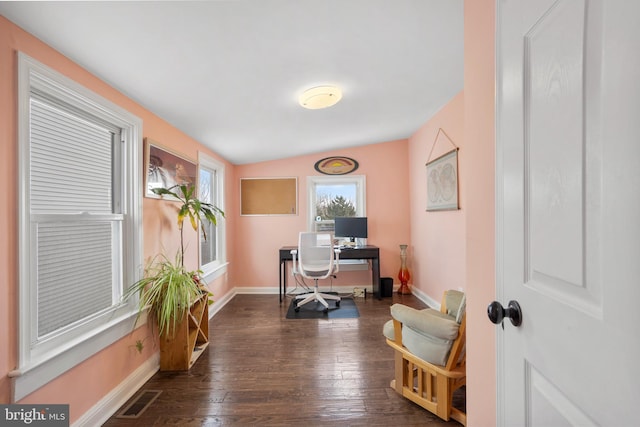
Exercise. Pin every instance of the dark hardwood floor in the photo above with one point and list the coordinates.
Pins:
(263, 369)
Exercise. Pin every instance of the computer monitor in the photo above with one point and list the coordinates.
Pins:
(351, 227)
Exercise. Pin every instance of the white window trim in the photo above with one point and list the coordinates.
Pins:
(361, 207)
(215, 269)
(35, 370)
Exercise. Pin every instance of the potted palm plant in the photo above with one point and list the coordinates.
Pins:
(168, 289)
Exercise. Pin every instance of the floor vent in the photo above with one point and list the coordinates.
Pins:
(139, 404)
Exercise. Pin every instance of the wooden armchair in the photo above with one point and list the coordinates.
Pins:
(438, 336)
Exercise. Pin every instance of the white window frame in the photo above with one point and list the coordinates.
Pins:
(361, 207)
(217, 268)
(313, 181)
(41, 362)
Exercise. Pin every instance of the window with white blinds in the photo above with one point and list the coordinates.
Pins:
(80, 223)
(72, 177)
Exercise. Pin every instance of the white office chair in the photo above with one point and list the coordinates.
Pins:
(315, 259)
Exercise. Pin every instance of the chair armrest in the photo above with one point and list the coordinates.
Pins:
(456, 373)
(428, 322)
(336, 261)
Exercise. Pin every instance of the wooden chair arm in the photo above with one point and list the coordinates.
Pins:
(456, 373)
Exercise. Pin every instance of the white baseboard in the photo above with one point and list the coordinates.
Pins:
(425, 298)
(219, 303)
(257, 290)
(108, 405)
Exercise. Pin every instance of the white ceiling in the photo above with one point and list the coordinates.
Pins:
(228, 73)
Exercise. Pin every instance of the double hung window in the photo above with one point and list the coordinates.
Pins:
(80, 227)
(211, 190)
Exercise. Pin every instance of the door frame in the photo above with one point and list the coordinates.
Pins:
(499, 223)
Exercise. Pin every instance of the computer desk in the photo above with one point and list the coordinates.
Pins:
(363, 252)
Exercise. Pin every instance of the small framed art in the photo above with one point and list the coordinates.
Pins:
(166, 169)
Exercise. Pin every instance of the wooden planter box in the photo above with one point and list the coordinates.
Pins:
(190, 338)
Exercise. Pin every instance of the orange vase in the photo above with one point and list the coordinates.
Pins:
(403, 274)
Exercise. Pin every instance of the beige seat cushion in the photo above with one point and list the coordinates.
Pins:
(427, 333)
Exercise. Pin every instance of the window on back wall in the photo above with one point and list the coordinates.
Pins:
(333, 196)
(213, 248)
(79, 223)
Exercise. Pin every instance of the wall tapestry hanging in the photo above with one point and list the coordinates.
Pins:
(442, 178)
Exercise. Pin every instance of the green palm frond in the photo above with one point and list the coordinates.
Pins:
(191, 207)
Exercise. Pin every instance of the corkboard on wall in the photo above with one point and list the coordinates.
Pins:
(268, 196)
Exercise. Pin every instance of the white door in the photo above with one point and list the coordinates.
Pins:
(568, 211)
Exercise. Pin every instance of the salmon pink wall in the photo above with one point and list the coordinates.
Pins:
(387, 194)
(439, 254)
(87, 383)
(479, 167)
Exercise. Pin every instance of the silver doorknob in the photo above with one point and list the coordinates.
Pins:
(497, 313)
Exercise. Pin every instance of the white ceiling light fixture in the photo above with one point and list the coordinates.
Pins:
(320, 97)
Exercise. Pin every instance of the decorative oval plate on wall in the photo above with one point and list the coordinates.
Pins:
(336, 165)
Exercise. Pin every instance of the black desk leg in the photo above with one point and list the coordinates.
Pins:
(375, 274)
(280, 281)
(283, 279)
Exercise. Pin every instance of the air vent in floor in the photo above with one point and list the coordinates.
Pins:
(139, 404)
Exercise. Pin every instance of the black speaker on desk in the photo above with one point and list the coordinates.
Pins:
(386, 287)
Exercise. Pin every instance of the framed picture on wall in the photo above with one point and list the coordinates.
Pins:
(442, 182)
(165, 169)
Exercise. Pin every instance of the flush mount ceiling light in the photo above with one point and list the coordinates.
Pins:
(320, 97)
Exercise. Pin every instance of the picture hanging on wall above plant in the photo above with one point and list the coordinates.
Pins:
(166, 169)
